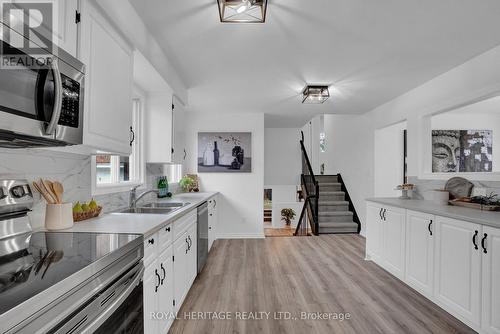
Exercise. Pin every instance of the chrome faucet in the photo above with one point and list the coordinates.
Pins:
(133, 199)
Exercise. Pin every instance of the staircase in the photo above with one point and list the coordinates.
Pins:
(268, 216)
(334, 207)
(328, 207)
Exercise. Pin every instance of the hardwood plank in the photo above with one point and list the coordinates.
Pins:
(327, 273)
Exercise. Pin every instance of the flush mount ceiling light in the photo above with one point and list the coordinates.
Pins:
(242, 11)
(315, 94)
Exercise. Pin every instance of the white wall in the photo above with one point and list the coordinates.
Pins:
(352, 151)
(389, 161)
(242, 205)
(282, 156)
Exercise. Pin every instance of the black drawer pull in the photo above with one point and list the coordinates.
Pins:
(474, 239)
(151, 241)
(167, 229)
(430, 227)
(164, 273)
(159, 280)
(483, 241)
(380, 213)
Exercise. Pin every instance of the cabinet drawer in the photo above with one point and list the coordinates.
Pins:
(165, 236)
(150, 246)
(183, 223)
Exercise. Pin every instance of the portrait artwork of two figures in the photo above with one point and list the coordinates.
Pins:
(462, 151)
(224, 152)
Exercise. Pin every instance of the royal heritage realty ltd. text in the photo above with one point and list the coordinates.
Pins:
(252, 315)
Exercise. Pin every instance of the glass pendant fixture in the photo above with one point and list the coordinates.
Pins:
(315, 94)
(242, 11)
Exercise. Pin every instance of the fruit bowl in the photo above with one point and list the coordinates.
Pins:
(92, 213)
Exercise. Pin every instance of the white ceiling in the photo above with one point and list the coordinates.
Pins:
(370, 51)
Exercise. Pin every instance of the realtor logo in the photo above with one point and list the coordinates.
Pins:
(27, 34)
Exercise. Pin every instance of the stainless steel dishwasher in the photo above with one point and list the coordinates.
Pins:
(202, 235)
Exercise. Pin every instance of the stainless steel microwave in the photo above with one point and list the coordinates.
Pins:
(41, 107)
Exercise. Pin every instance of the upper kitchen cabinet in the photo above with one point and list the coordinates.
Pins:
(109, 82)
(179, 152)
(159, 125)
(61, 30)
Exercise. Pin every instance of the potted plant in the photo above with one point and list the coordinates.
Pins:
(186, 183)
(287, 215)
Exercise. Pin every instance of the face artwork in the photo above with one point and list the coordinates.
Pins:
(445, 151)
(468, 151)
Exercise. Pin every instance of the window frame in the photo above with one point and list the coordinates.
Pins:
(137, 165)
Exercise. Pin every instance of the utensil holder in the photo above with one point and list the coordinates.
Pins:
(58, 216)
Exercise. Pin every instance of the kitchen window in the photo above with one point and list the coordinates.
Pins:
(113, 173)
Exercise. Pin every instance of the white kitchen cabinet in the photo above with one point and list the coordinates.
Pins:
(490, 279)
(166, 289)
(419, 272)
(67, 33)
(150, 299)
(374, 232)
(180, 271)
(185, 261)
(159, 127)
(108, 84)
(213, 219)
(457, 268)
(393, 240)
(62, 30)
(179, 150)
(385, 232)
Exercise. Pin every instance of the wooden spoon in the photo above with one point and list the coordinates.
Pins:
(42, 192)
(46, 186)
(58, 190)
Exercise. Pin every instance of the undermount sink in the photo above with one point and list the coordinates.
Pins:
(165, 205)
(158, 211)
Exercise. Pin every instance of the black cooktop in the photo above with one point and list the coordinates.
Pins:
(33, 262)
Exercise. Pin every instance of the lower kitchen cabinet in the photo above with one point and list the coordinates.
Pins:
(490, 248)
(393, 241)
(185, 263)
(457, 268)
(166, 289)
(419, 271)
(454, 263)
(386, 238)
(213, 218)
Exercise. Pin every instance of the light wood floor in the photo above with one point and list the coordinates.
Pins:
(307, 274)
(279, 232)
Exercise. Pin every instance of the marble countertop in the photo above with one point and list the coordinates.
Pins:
(490, 218)
(136, 223)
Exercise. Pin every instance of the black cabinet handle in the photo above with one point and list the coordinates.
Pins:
(190, 241)
(210, 227)
(383, 214)
(211, 215)
(159, 280)
(151, 241)
(187, 245)
(380, 214)
(483, 241)
(167, 229)
(164, 273)
(133, 136)
(215, 203)
(429, 227)
(185, 154)
(474, 239)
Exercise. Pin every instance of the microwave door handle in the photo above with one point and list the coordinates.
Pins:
(91, 328)
(56, 112)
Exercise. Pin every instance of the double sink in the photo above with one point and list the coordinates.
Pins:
(156, 208)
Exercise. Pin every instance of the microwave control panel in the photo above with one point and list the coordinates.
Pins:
(70, 109)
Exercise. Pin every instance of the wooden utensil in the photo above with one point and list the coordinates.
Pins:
(45, 186)
(42, 192)
(58, 190)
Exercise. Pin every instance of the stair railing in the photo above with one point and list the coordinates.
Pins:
(310, 189)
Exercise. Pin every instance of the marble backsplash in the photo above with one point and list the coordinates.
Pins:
(72, 170)
(425, 187)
